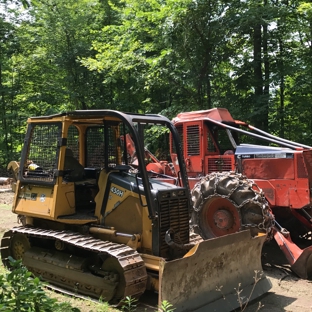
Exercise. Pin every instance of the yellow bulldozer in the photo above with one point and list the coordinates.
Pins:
(94, 223)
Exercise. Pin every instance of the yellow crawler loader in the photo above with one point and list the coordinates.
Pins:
(93, 223)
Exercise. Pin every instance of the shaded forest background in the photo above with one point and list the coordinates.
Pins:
(156, 56)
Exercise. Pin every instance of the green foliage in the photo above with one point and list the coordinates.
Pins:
(154, 56)
(166, 307)
(101, 306)
(161, 50)
(129, 304)
(20, 291)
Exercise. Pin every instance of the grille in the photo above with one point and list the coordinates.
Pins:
(41, 160)
(73, 140)
(95, 147)
(193, 140)
(174, 215)
(220, 163)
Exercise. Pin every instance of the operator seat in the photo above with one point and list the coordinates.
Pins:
(76, 170)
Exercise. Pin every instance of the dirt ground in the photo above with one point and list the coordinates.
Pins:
(288, 292)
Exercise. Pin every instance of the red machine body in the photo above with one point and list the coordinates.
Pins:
(212, 141)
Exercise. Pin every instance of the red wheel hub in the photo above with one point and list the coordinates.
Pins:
(220, 217)
(223, 219)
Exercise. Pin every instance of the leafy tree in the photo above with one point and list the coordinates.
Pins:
(158, 56)
(163, 55)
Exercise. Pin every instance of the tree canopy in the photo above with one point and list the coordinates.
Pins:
(156, 56)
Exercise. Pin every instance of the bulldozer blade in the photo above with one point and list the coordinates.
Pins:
(300, 260)
(212, 274)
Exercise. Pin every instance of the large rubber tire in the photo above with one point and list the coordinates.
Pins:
(226, 203)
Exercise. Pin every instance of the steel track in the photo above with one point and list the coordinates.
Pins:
(130, 261)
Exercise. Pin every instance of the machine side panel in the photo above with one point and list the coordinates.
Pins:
(268, 168)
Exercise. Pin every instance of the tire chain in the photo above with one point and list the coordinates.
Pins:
(259, 199)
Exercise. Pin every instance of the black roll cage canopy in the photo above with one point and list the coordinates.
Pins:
(131, 120)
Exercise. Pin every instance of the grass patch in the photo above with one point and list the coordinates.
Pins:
(6, 207)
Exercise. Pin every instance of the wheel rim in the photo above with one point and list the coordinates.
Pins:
(220, 217)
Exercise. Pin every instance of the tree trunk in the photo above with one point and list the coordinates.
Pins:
(266, 92)
(258, 82)
(282, 90)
